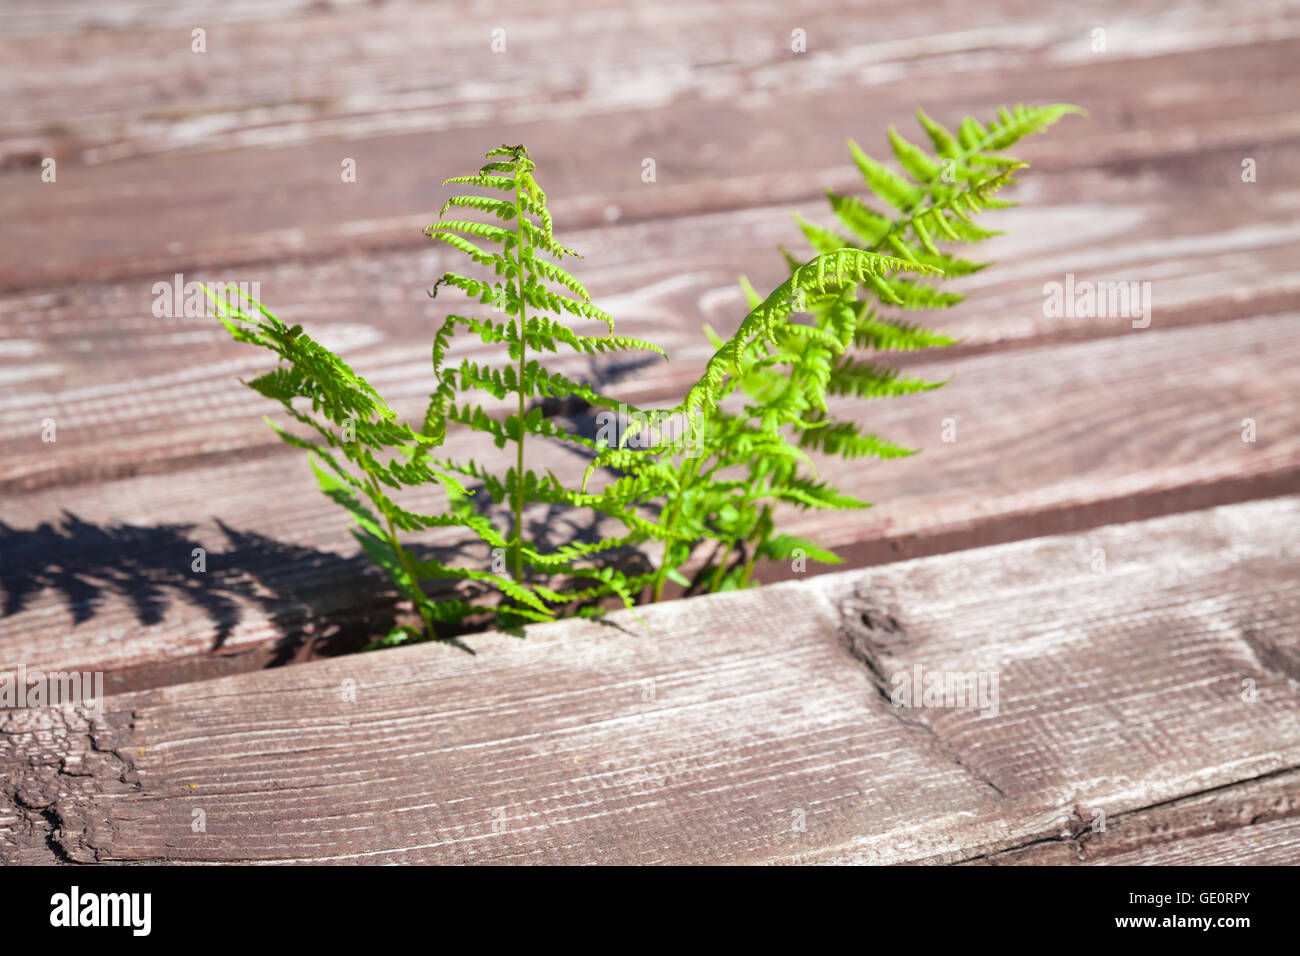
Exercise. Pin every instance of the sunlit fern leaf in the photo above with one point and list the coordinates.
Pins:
(908, 215)
(497, 207)
(820, 494)
(869, 380)
(917, 295)
(842, 269)
(536, 296)
(920, 165)
(885, 183)
(483, 230)
(783, 547)
(822, 240)
(863, 221)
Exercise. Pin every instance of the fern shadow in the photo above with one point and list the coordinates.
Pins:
(321, 603)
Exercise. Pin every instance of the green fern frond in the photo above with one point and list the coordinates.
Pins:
(845, 268)
(717, 469)
(535, 326)
(868, 380)
(788, 369)
(498, 207)
(885, 183)
(483, 230)
(815, 494)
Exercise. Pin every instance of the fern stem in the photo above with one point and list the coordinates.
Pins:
(721, 570)
(762, 530)
(749, 568)
(662, 574)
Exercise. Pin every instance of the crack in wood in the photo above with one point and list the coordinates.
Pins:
(1281, 662)
(871, 629)
(1154, 825)
(47, 785)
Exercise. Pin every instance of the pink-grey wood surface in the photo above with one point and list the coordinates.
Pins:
(741, 727)
(225, 165)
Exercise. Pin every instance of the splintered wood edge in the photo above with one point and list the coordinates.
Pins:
(742, 727)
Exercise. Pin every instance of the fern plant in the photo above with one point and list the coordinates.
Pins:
(355, 429)
(529, 287)
(755, 456)
(744, 434)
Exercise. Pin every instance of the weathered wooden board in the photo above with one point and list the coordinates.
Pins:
(742, 727)
(312, 75)
(1256, 822)
(1047, 440)
(750, 727)
(1276, 843)
(712, 93)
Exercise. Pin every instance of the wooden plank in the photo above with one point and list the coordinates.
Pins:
(1256, 822)
(1135, 427)
(1264, 844)
(295, 75)
(401, 113)
(47, 18)
(734, 728)
(129, 389)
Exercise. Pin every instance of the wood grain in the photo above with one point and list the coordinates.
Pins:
(1249, 823)
(235, 159)
(732, 728)
(748, 727)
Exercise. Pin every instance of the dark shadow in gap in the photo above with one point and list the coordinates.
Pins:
(321, 603)
(333, 603)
